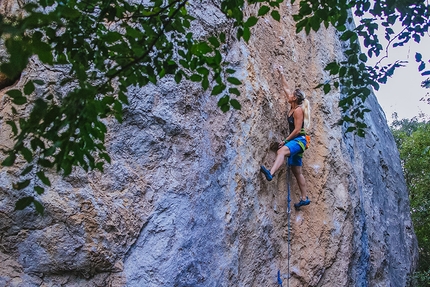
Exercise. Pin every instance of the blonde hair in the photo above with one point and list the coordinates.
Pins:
(301, 100)
(306, 113)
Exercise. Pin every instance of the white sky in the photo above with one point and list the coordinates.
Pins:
(403, 91)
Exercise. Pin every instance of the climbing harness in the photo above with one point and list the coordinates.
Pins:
(288, 231)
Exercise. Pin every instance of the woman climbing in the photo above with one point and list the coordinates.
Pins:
(294, 145)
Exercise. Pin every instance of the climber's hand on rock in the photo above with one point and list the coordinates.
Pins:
(281, 144)
(280, 69)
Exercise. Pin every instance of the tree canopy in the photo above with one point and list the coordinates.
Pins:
(104, 47)
(413, 141)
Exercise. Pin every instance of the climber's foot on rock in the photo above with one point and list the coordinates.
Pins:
(302, 203)
(266, 172)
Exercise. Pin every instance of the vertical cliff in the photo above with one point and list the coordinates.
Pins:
(184, 204)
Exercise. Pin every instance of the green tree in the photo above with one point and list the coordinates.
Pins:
(107, 46)
(413, 141)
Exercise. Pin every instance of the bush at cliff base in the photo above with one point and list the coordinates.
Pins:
(413, 141)
(421, 279)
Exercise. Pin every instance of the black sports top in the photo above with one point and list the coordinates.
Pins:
(291, 125)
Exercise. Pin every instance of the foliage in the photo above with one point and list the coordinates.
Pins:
(104, 47)
(413, 140)
(352, 74)
(421, 279)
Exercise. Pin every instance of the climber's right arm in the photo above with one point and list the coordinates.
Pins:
(284, 81)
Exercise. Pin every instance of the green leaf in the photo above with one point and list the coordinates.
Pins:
(263, 10)
(222, 37)
(315, 24)
(17, 97)
(350, 129)
(239, 33)
(45, 163)
(35, 143)
(203, 71)
(27, 170)
(223, 100)
(123, 98)
(300, 25)
(99, 166)
(112, 37)
(44, 52)
(27, 154)
(39, 207)
(24, 202)
(202, 47)
(326, 88)
(19, 101)
(10, 160)
(246, 34)
(29, 88)
(418, 57)
(223, 103)
(235, 104)
(205, 83)
(336, 84)
(21, 185)
(196, 78)
(341, 28)
(43, 178)
(342, 71)
(346, 35)
(234, 81)
(178, 77)
(106, 157)
(218, 58)
(275, 15)
(214, 41)
(225, 108)
(363, 57)
(14, 94)
(234, 91)
(162, 73)
(217, 89)
(251, 21)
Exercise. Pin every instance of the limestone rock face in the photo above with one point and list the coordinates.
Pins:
(184, 204)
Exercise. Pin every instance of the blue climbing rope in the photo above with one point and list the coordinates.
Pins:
(279, 278)
(288, 230)
(288, 222)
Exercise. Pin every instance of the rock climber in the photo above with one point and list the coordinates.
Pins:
(294, 145)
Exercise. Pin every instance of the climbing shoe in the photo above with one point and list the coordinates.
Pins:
(302, 202)
(266, 172)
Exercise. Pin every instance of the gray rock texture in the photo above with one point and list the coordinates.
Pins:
(184, 204)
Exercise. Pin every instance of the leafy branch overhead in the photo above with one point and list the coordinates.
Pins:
(353, 75)
(104, 47)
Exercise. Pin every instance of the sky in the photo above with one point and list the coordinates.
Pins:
(403, 90)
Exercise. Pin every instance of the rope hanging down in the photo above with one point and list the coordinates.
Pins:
(288, 230)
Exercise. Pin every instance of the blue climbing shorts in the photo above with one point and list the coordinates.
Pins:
(296, 150)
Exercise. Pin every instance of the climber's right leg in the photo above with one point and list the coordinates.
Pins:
(280, 156)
